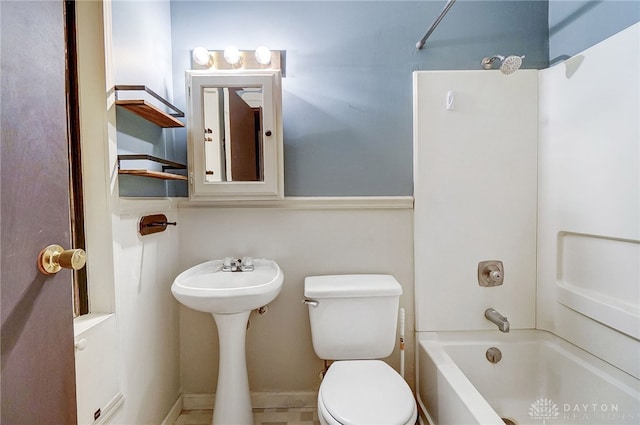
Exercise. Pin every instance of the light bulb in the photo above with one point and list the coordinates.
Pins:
(202, 57)
(263, 55)
(232, 55)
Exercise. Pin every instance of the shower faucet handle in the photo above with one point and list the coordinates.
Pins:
(490, 273)
(495, 275)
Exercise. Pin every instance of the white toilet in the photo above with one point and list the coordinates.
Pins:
(353, 321)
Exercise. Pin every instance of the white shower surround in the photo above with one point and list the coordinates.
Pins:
(589, 200)
(587, 286)
(475, 177)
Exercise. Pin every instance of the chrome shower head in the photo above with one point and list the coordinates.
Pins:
(509, 65)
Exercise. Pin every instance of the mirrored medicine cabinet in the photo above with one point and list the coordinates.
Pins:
(234, 132)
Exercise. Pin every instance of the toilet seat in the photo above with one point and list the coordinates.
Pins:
(357, 392)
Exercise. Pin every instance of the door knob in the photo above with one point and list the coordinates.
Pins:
(54, 258)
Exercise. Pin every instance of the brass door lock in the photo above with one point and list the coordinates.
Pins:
(54, 258)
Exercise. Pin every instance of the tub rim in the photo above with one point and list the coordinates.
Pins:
(434, 344)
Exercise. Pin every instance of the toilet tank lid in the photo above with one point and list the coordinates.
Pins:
(352, 285)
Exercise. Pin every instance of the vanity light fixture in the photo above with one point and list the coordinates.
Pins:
(232, 58)
(232, 55)
(263, 55)
(202, 57)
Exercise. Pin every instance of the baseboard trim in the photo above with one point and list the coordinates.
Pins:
(109, 410)
(259, 400)
(286, 400)
(174, 412)
(197, 401)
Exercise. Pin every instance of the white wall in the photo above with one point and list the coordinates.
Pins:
(304, 242)
(589, 200)
(99, 360)
(129, 275)
(148, 318)
(475, 196)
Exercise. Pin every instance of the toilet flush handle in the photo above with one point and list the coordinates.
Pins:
(312, 303)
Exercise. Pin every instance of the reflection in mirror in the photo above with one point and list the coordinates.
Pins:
(234, 134)
(232, 118)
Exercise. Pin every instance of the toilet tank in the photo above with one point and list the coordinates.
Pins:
(353, 316)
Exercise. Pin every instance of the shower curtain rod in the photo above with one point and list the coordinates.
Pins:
(433, 26)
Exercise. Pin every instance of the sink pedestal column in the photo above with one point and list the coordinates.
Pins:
(233, 400)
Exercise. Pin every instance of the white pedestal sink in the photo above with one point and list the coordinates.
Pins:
(230, 297)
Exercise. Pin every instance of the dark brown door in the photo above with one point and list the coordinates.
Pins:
(244, 143)
(37, 353)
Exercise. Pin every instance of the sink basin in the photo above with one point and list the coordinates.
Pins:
(230, 297)
(207, 288)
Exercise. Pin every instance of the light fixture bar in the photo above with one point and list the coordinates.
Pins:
(247, 61)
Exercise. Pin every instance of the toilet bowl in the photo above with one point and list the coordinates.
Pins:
(353, 322)
(365, 392)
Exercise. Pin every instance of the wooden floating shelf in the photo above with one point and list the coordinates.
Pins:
(153, 114)
(150, 113)
(163, 175)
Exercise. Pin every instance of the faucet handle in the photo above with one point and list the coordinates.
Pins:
(246, 264)
(490, 273)
(229, 264)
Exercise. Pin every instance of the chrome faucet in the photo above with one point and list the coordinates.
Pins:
(498, 319)
(245, 264)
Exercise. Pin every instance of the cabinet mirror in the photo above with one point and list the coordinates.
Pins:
(234, 131)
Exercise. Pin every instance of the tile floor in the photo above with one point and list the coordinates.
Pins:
(298, 416)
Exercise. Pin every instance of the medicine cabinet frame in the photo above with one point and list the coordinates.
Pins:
(271, 185)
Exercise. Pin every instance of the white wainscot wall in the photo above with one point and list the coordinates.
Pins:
(304, 242)
(128, 365)
(147, 319)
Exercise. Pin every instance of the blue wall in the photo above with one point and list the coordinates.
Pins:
(577, 25)
(142, 56)
(347, 95)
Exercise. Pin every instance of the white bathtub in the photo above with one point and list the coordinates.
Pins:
(541, 380)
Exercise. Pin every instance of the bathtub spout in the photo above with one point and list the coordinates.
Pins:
(498, 319)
